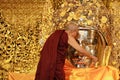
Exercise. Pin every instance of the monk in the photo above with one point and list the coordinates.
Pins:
(54, 51)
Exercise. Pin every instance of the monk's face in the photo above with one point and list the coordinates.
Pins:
(75, 33)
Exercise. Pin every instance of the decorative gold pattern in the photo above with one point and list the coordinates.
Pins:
(21, 30)
(90, 14)
(115, 15)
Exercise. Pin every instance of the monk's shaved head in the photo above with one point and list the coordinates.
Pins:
(71, 26)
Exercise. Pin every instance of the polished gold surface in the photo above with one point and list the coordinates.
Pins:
(26, 24)
(93, 41)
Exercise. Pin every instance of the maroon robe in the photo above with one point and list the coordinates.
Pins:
(53, 54)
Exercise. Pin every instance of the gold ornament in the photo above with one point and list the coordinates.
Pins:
(103, 19)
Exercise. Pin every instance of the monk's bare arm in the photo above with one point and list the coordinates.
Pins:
(74, 44)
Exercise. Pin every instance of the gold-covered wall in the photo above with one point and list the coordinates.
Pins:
(21, 34)
(24, 27)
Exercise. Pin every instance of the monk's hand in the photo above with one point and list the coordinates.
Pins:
(94, 59)
(94, 62)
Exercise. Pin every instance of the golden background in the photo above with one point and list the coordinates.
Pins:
(25, 25)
